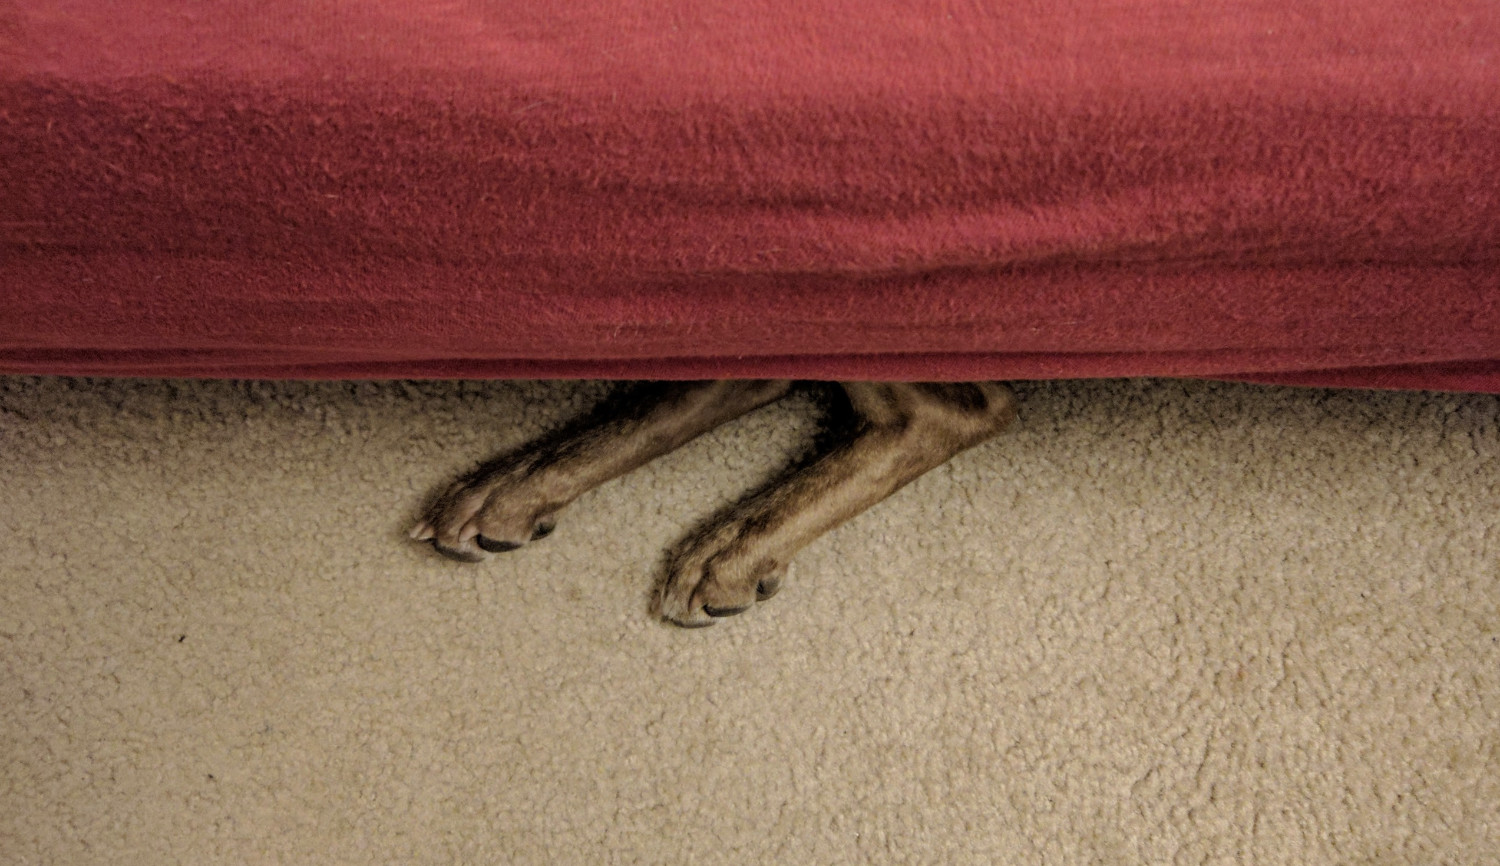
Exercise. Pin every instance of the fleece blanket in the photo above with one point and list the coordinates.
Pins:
(1289, 191)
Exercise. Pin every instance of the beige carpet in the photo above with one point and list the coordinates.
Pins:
(1156, 623)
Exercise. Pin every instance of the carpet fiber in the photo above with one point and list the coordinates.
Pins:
(1157, 622)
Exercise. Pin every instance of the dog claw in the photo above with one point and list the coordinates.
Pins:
(491, 546)
(456, 555)
(725, 611)
(421, 532)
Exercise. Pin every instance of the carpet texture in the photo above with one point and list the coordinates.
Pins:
(1158, 622)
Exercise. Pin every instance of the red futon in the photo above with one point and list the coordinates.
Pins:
(1297, 191)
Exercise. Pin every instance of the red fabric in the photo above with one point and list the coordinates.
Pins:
(1290, 190)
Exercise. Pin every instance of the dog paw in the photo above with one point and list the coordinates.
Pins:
(720, 573)
(484, 515)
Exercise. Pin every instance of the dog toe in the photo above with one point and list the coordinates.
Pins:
(718, 574)
(485, 514)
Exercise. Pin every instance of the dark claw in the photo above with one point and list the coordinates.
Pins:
(456, 555)
(689, 624)
(767, 588)
(725, 611)
(543, 531)
(492, 546)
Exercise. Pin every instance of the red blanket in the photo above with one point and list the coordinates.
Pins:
(1287, 190)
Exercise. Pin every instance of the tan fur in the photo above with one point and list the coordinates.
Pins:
(902, 431)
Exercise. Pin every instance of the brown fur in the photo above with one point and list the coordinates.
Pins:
(902, 430)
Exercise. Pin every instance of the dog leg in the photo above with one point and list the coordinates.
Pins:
(515, 499)
(905, 430)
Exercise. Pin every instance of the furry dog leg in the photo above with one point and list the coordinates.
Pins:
(905, 430)
(514, 499)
